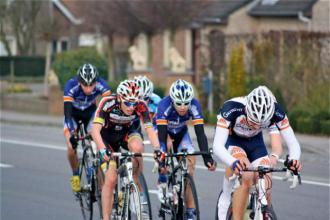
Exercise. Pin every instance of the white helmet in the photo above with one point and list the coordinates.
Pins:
(260, 105)
(128, 90)
(181, 92)
(145, 85)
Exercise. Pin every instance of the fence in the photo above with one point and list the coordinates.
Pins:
(22, 66)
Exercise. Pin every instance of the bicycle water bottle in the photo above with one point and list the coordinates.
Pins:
(162, 187)
(89, 172)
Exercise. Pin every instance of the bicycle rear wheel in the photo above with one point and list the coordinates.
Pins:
(132, 207)
(189, 194)
(146, 210)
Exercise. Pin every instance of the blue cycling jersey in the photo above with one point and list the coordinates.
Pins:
(167, 115)
(153, 102)
(74, 93)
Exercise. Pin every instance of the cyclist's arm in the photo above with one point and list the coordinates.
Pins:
(98, 123)
(96, 134)
(275, 142)
(220, 139)
(152, 137)
(162, 136)
(68, 105)
(283, 125)
(292, 143)
(201, 137)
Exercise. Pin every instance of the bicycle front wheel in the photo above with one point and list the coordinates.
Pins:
(146, 210)
(188, 199)
(132, 207)
(86, 196)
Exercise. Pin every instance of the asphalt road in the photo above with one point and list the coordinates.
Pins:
(35, 180)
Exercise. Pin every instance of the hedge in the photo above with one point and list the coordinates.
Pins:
(304, 121)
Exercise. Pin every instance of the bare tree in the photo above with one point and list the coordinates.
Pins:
(21, 16)
(3, 29)
(130, 18)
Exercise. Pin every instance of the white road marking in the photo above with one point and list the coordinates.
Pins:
(200, 167)
(3, 165)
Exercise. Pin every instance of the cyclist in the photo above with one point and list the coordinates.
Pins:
(173, 112)
(114, 128)
(79, 97)
(238, 142)
(147, 93)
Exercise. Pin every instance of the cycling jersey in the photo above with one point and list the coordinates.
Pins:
(167, 115)
(77, 105)
(116, 126)
(153, 102)
(233, 129)
(74, 93)
(171, 123)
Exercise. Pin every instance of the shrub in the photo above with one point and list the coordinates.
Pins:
(18, 88)
(236, 75)
(325, 127)
(67, 63)
(305, 125)
(296, 114)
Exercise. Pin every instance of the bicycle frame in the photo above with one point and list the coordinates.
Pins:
(124, 181)
(171, 204)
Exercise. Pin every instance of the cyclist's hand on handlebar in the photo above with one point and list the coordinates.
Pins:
(105, 154)
(238, 166)
(160, 159)
(210, 163)
(74, 140)
(295, 165)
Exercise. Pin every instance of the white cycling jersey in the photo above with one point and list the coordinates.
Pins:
(232, 120)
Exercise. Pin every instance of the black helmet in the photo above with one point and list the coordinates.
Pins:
(87, 74)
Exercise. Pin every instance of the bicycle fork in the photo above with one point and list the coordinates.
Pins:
(261, 203)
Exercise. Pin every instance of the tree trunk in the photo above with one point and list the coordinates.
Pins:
(111, 62)
(47, 67)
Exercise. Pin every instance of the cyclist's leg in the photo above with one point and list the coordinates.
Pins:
(253, 148)
(186, 143)
(110, 182)
(71, 153)
(265, 161)
(135, 144)
(87, 117)
(242, 192)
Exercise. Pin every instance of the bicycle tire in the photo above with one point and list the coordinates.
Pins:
(146, 194)
(188, 180)
(97, 190)
(132, 206)
(86, 183)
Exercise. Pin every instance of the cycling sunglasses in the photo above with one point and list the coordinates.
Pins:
(182, 103)
(130, 104)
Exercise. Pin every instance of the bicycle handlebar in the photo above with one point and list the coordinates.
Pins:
(185, 153)
(129, 154)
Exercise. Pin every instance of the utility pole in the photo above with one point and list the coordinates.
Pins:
(210, 98)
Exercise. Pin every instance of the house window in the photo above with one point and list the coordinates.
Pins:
(54, 46)
(64, 45)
